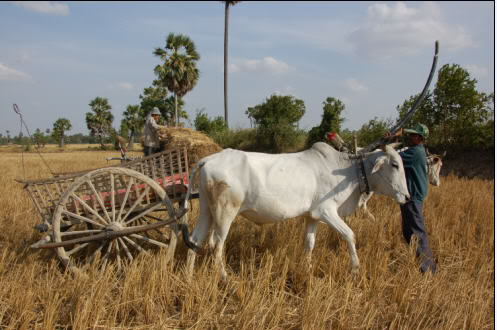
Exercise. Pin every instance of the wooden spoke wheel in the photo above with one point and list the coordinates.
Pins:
(111, 215)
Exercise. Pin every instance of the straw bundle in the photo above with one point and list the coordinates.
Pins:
(198, 145)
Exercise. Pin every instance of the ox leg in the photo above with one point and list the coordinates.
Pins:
(224, 204)
(311, 227)
(198, 235)
(221, 228)
(211, 242)
(329, 215)
(363, 204)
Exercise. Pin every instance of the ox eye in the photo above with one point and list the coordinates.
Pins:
(395, 165)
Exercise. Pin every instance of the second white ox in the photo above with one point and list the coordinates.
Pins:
(434, 165)
(320, 183)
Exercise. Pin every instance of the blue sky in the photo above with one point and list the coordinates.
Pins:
(55, 57)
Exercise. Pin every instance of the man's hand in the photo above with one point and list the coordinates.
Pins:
(390, 136)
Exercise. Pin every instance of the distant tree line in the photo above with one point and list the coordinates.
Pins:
(456, 113)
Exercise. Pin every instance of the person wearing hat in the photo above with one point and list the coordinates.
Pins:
(150, 133)
(415, 165)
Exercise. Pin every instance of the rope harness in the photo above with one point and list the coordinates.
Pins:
(363, 178)
(361, 173)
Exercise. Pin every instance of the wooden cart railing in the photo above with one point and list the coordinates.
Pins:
(168, 168)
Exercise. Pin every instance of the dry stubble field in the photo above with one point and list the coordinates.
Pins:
(268, 287)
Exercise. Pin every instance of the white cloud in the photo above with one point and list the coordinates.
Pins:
(233, 68)
(121, 85)
(125, 85)
(392, 29)
(273, 65)
(288, 90)
(355, 85)
(267, 64)
(7, 73)
(45, 7)
(476, 70)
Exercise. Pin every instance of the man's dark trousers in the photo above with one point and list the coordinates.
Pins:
(150, 150)
(413, 223)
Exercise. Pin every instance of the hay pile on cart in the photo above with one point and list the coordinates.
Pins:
(197, 144)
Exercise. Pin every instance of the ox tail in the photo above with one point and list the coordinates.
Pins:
(186, 238)
(184, 208)
(195, 168)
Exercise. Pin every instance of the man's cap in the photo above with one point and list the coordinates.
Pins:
(155, 111)
(420, 129)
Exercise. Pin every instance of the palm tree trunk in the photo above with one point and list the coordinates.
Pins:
(226, 23)
(175, 110)
(131, 140)
(62, 142)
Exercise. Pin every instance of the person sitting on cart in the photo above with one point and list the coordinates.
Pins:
(150, 132)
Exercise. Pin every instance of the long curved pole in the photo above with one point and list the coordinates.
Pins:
(411, 111)
(422, 95)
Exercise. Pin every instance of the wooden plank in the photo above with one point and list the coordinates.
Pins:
(162, 170)
(53, 201)
(171, 167)
(35, 202)
(153, 170)
(112, 197)
(147, 198)
(58, 188)
(40, 197)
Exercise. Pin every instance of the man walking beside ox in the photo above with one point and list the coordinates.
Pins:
(413, 223)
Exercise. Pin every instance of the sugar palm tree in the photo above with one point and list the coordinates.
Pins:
(227, 5)
(134, 119)
(59, 128)
(99, 122)
(178, 72)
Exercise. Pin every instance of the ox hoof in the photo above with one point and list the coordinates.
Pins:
(355, 270)
(224, 276)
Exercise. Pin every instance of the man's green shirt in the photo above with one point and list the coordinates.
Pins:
(414, 159)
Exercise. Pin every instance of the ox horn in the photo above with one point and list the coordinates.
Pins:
(395, 145)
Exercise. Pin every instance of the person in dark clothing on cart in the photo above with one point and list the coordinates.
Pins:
(413, 223)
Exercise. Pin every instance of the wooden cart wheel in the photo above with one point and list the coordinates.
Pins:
(109, 202)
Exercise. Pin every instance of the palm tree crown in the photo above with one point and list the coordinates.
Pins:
(99, 122)
(178, 72)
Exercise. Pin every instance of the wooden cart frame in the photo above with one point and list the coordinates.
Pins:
(112, 213)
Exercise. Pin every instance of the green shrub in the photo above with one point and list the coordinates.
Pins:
(276, 122)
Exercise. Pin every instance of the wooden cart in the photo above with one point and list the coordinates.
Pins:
(112, 213)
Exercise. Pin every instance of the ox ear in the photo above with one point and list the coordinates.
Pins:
(378, 163)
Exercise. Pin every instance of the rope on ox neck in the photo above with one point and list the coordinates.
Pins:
(361, 174)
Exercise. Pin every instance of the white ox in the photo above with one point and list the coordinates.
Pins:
(319, 183)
